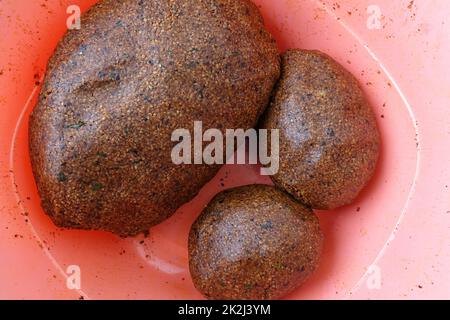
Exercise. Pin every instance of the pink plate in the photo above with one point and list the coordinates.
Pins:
(394, 242)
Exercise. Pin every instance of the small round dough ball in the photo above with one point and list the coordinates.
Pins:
(253, 242)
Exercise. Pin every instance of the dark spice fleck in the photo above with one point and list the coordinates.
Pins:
(248, 286)
(77, 125)
(267, 225)
(62, 177)
(97, 186)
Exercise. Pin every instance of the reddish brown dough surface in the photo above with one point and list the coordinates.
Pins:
(100, 136)
(253, 242)
(329, 141)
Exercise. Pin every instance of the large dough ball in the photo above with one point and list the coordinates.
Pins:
(100, 136)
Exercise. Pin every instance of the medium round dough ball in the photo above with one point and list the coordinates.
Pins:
(329, 140)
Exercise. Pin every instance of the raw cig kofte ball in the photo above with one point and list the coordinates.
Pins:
(115, 90)
(253, 242)
(329, 140)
